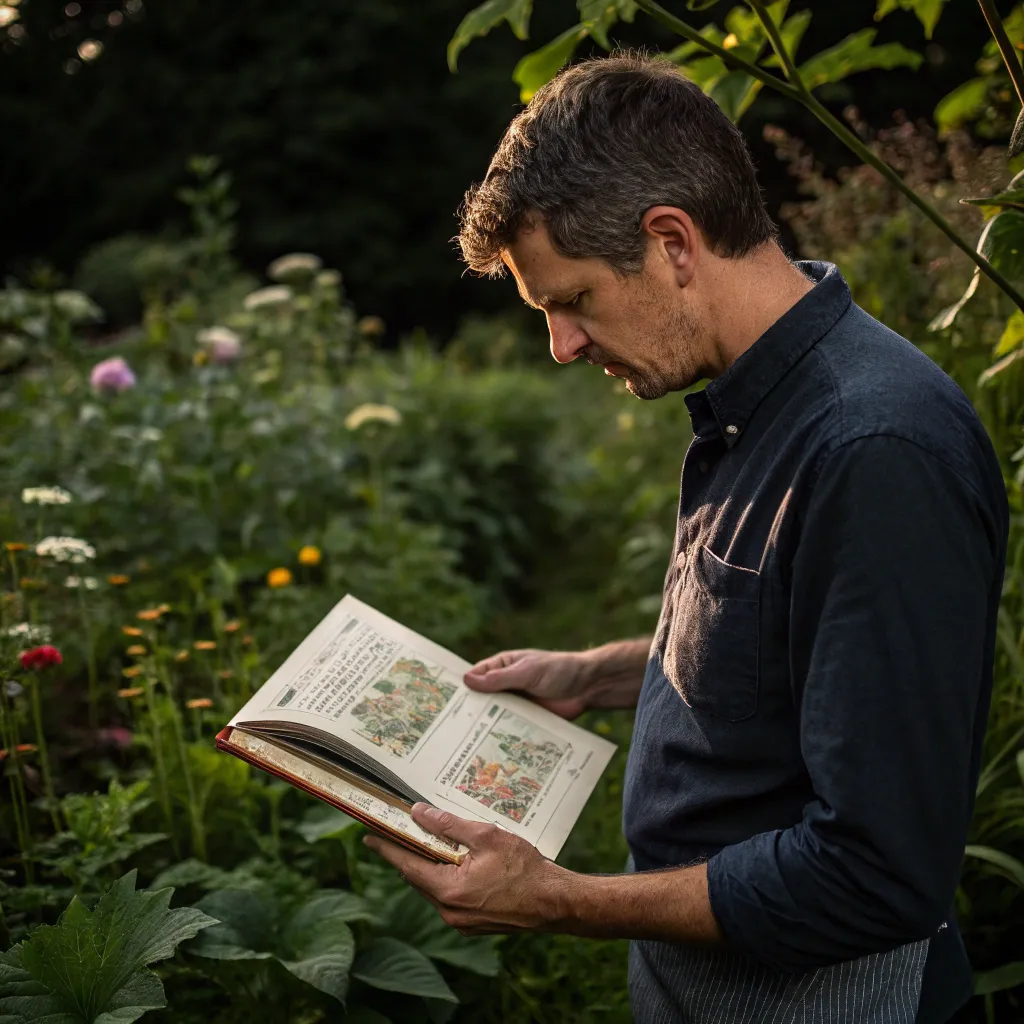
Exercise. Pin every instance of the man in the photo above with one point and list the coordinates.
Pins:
(811, 709)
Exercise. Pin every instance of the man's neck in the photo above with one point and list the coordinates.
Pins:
(746, 297)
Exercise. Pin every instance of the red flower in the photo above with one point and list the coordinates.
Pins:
(40, 658)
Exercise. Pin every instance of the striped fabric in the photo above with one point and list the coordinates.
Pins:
(671, 984)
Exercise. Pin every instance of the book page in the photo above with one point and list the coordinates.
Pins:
(399, 699)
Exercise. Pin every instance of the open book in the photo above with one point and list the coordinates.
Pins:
(371, 717)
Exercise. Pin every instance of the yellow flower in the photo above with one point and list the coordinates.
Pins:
(205, 645)
(149, 614)
(131, 691)
(117, 580)
(371, 413)
(279, 577)
(131, 631)
(309, 555)
(199, 702)
(136, 650)
(181, 656)
(233, 626)
(131, 673)
(13, 545)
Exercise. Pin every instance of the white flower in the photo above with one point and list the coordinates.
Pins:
(328, 279)
(45, 496)
(25, 632)
(65, 549)
(296, 266)
(222, 343)
(88, 582)
(370, 413)
(77, 306)
(152, 434)
(276, 295)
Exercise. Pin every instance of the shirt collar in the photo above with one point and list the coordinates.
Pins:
(736, 394)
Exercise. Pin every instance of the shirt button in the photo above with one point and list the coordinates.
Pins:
(732, 429)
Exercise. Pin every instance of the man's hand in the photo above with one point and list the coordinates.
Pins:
(503, 885)
(567, 682)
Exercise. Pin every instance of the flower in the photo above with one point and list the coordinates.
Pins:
(199, 702)
(371, 326)
(371, 413)
(150, 434)
(12, 689)
(221, 344)
(233, 626)
(205, 645)
(65, 549)
(118, 580)
(21, 748)
(309, 555)
(275, 295)
(279, 577)
(246, 641)
(149, 614)
(136, 650)
(164, 608)
(77, 306)
(14, 545)
(28, 633)
(295, 268)
(88, 582)
(226, 673)
(131, 631)
(131, 691)
(45, 496)
(132, 672)
(39, 658)
(328, 279)
(181, 656)
(112, 376)
(116, 735)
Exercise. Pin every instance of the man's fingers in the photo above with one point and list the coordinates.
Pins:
(498, 672)
(419, 872)
(444, 823)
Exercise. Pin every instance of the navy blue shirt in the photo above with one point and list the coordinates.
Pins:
(812, 716)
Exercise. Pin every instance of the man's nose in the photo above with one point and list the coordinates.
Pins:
(568, 339)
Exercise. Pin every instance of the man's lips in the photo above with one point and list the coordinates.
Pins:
(616, 370)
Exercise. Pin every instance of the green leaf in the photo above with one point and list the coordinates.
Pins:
(928, 11)
(598, 16)
(700, 5)
(245, 928)
(963, 104)
(395, 967)
(855, 53)
(998, 980)
(319, 944)
(322, 821)
(1013, 334)
(1002, 366)
(1011, 198)
(792, 31)
(1003, 862)
(1017, 138)
(91, 965)
(538, 68)
(482, 19)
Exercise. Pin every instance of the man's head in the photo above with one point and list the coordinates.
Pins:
(615, 199)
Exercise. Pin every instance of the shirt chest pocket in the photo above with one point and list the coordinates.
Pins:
(710, 635)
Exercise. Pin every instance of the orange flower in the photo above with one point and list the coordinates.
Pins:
(136, 650)
(131, 673)
(226, 674)
(309, 555)
(21, 748)
(13, 545)
(181, 656)
(149, 614)
(131, 631)
(199, 702)
(233, 626)
(205, 645)
(246, 641)
(117, 580)
(279, 577)
(131, 691)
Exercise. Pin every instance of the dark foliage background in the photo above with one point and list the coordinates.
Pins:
(340, 122)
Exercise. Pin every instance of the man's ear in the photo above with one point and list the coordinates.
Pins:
(676, 239)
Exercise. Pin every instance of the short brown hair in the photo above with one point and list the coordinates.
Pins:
(596, 148)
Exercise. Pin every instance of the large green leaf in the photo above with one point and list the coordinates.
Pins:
(855, 53)
(963, 104)
(313, 941)
(598, 16)
(322, 821)
(396, 967)
(928, 11)
(90, 967)
(998, 980)
(1003, 862)
(538, 68)
(482, 19)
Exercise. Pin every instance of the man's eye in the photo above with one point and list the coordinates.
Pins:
(575, 300)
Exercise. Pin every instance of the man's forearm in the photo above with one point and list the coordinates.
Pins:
(664, 906)
(615, 673)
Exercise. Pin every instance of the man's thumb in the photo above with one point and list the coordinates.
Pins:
(495, 679)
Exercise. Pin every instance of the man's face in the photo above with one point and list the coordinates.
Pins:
(639, 327)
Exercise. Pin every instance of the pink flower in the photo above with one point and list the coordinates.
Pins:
(40, 658)
(116, 736)
(222, 344)
(112, 376)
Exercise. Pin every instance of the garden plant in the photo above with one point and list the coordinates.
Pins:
(184, 499)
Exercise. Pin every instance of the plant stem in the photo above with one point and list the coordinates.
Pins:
(1009, 55)
(194, 817)
(44, 754)
(798, 91)
(9, 738)
(161, 771)
(90, 660)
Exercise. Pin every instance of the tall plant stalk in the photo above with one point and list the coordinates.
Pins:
(44, 753)
(795, 88)
(90, 661)
(158, 760)
(22, 825)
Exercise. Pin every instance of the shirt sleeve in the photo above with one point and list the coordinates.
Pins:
(892, 584)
